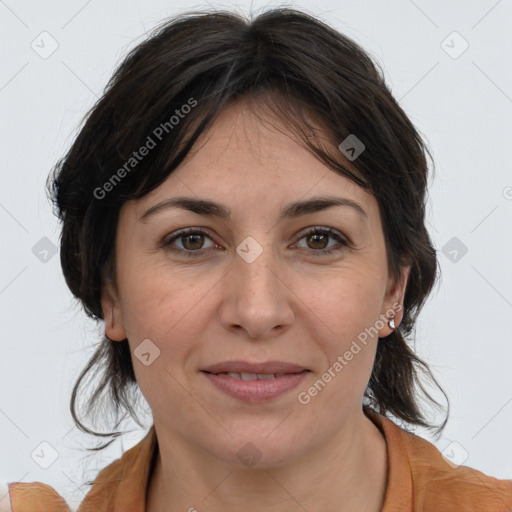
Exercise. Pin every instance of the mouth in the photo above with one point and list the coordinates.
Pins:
(255, 376)
(255, 382)
(269, 368)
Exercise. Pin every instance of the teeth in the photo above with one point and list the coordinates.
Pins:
(263, 376)
(252, 376)
(249, 376)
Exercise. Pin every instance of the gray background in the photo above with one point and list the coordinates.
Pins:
(459, 98)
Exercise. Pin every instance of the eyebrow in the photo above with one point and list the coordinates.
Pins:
(290, 211)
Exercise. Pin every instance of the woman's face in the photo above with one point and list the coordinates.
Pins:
(254, 286)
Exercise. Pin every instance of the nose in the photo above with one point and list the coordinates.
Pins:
(257, 296)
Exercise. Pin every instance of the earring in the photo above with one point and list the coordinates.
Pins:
(392, 323)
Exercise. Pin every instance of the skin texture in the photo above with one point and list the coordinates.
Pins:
(289, 304)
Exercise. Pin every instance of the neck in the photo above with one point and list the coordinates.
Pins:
(347, 473)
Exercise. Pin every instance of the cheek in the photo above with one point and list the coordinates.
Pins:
(150, 293)
(348, 310)
(167, 309)
(344, 303)
(348, 306)
(166, 314)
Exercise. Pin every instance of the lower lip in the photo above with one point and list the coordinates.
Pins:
(256, 391)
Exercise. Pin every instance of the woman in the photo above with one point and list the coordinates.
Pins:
(244, 208)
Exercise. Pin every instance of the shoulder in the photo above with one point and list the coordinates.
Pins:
(120, 486)
(439, 484)
(420, 478)
(123, 483)
(30, 496)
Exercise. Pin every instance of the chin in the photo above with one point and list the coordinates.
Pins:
(256, 451)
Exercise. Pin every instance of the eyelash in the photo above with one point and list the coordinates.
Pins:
(312, 231)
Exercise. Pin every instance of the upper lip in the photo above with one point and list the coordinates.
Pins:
(246, 367)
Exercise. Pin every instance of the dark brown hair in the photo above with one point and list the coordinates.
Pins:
(305, 72)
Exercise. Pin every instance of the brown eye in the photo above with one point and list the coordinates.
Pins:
(191, 240)
(317, 240)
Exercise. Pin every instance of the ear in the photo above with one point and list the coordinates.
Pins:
(393, 306)
(112, 313)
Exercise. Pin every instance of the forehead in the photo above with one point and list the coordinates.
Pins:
(252, 160)
(259, 141)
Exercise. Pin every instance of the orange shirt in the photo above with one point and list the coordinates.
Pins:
(420, 479)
